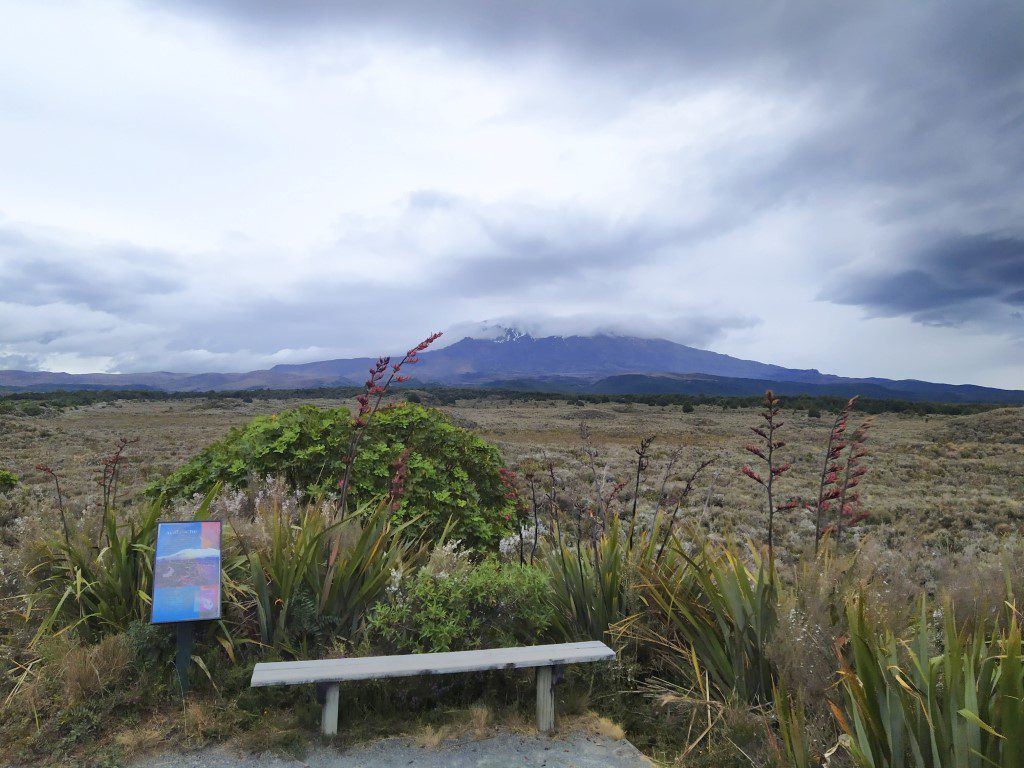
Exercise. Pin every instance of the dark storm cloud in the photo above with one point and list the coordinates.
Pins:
(954, 280)
(681, 39)
(920, 105)
(887, 45)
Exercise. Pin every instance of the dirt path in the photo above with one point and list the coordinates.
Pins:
(504, 750)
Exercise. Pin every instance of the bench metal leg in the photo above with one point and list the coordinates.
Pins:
(329, 717)
(545, 700)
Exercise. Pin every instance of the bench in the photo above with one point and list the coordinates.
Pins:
(545, 658)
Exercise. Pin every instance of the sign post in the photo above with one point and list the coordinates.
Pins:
(186, 583)
(183, 653)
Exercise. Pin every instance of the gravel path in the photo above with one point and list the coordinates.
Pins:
(504, 750)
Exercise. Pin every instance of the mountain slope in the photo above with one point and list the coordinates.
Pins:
(520, 355)
(601, 363)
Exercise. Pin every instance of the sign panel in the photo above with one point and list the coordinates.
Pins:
(186, 573)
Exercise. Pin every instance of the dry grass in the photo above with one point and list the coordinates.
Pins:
(93, 669)
(595, 724)
(138, 741)
(431, 736)
(475, 722)
(936, 483)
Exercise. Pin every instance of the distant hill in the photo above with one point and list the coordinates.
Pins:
(599, 364)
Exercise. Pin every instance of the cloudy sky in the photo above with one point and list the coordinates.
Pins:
(229, 184)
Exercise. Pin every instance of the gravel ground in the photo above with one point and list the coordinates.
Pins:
(504, 750)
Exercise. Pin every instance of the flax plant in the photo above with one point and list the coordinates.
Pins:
(766, 450)
(103, 591)
(382, 376)
(709, 616)
(795, 750)
(288, 572)
(830, 470)
(587, 583)
(961, 706)
(591, 576)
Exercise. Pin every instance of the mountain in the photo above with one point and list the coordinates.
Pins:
(601, 363)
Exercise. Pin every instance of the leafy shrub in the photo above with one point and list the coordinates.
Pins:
(8, 480)
(451, 473)
(487, 605)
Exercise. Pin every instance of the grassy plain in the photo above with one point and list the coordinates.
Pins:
(939, 482)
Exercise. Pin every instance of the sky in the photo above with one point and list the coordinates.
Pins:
(224, 185)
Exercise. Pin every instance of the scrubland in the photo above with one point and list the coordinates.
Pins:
(729, 653)
(941, 482)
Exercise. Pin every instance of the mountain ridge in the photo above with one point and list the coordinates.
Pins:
(600, 363)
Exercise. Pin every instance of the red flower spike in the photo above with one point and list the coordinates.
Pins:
(752, 475)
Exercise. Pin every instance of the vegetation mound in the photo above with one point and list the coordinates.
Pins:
(449, 473)
(1005, 425)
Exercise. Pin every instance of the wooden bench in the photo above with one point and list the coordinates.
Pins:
(546, 658)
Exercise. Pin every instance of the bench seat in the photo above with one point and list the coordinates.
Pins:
(334, 671)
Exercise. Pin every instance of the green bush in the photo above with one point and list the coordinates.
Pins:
(452, 473)
(488, 605)
(8, 480)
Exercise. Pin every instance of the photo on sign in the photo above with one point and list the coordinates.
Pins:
(186, 572)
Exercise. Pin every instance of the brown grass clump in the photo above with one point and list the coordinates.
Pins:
(480, 716)
(431, 736)
(142, 739)
(474, 722)
(93, 669)
(597, 725)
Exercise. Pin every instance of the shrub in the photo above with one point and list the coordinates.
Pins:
(450, 472)
(8, 480)
(460, 606)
